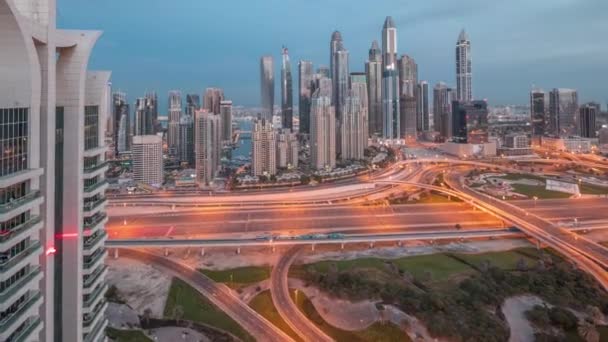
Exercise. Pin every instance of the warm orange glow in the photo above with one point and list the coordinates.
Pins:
(51, 250)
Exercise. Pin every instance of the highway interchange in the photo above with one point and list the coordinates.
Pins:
(352, 207)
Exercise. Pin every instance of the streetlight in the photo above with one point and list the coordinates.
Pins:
(535, 199)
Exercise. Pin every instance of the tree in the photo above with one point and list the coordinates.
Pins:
(146, 316)
(588, 332)
(304, 179)
(521, 264)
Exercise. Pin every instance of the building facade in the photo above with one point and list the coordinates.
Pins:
(423, 115)
(563, 112)
(470, 122)
(207, 146)
(322, 130)
(587, 120)
(464, 68)
(442, 110)
(334, 46)
(186, 140)
(539, 111)
(212, 99)
(264, 149)
(175, 114)
(354, 124)
(267, 87)
(305, 79)
(287, 150)
(148, 159)
(286, 91)
(390, 82)
(373, 71)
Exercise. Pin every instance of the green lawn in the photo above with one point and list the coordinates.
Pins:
(538, 191)
(506, 260)
(199, 309)
(589, 189)
(377, 332)
(126, 335)
(517, 176)
(262, 304)
(239, 277)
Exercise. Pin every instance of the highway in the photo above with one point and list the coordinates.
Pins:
(220, 295)
(288, 310)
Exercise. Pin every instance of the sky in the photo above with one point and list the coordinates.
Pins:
(190, 45)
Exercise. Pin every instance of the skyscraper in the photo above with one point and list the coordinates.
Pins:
(334, 46)
(193, 103)
(305, 75)
(408, 112)
(324, 70)
(53, 112)
(186, 140)
(175, 113)
(287, 149)
(145, 117)
(408, 76)
(226, 118)
(539, 111)
(267, 87)
(121, 121)
(586, 121)
(442, 110)
(470, 122)
(322, 129)
(373, 70)
(563, 111)
(206, 146)
(264, 149)
(286, 92)
(390, 82)
(464, 73)
(212, 99)
(423, 116)
(354, 122)
(343, 74)
(148, 159)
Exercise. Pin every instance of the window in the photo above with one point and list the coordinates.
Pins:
(91, 127)
(13, 192)
(14, 131)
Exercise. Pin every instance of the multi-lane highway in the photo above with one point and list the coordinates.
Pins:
(220, 295)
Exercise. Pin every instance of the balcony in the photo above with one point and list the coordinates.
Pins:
(92, 171)
(95, 222)
(28, 331)
(92, 280)
(17, 233)
(94, 260)
(18, 177)
(34, 247)
(91, 244)
(34, 275)
(10, 321)
(91, 208)
(95, 151)
(93, 189)
(88, 323)
(95, 333)
(19, 205)
(94, 298)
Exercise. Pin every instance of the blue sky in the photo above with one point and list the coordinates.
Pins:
(193, 44)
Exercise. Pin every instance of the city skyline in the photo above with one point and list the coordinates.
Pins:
(425, 33)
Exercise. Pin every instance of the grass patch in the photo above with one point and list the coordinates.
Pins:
(239, 277)
(262, 304)
(589, 189)
(507, 260)
(517, 176)
(195, 307)
(377, 332)
(126, 335)
(432, 267)
(538, 191)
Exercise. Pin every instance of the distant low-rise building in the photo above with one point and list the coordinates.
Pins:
(568, 144)
(516, 145)
(148, 159)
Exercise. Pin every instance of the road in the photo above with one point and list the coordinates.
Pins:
(288, 310)
(340, 218)
(220, 295)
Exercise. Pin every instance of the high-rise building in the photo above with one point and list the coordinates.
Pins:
(122, 123)
(343, 74)
(175, 113)
(193, 103)
(423, 115)
(267, 87)
(373, 70)
(464, 73)
(305, 79)
(186, 140)
(334, 46)
(264, 151)
(151, 99)
(286, 92)
(354, 122)
(212, 99)
(287, 149)
(408, 76)
(586, 121)
(207, 146)
(563, 112)
(324, 70)
(470, 122)
(323, 129)
(226, 118)
(409, 117)
(51, 252)
(148, 159)
(442, 110)
(390, 82)
(539, 111)
(145, 117)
